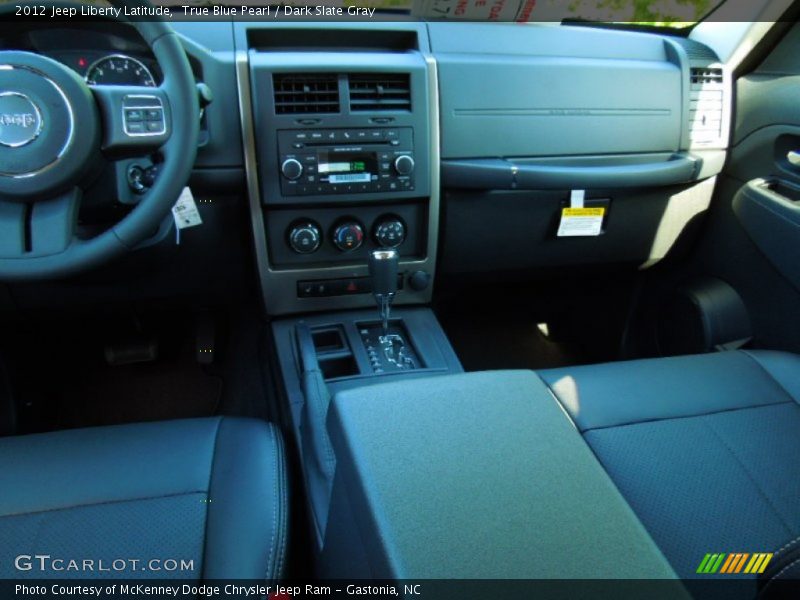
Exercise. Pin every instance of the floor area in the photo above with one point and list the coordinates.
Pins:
(536, 327)
(91, 370)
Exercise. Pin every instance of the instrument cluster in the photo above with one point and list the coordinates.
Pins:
(102, 68)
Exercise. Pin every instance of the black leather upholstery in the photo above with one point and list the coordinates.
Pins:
(211, 491)
(706, 449)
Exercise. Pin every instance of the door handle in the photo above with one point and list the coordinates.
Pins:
(793, 156)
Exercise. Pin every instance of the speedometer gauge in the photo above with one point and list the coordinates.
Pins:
(118, 69)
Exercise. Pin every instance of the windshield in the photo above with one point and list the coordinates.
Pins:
(657, 13)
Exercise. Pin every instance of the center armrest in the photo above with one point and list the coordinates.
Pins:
(478, 475)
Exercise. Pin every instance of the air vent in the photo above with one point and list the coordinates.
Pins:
(374, 92)
(706, 105)
(304, 94)
(707, 76)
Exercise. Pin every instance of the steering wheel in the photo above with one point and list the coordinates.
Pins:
(54, 129)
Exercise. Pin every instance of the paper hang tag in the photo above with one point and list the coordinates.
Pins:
(578, 222)
(576, 198)
(185, 211)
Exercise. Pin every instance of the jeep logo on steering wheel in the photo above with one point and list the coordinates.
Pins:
(20, 119)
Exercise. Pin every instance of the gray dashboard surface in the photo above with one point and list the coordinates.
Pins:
(543, 90)
(210, 45)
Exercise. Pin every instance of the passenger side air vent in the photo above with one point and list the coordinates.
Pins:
(706, 105)
(304, 94)
(371, 92)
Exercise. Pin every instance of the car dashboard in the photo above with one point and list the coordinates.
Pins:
(459, 145)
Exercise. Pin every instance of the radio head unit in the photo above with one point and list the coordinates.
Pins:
(346, 161)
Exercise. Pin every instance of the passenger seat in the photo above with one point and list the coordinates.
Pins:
(706, 449)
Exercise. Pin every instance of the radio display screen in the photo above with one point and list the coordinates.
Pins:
(347, 167)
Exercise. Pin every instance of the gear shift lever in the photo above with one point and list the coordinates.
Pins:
(383, 267)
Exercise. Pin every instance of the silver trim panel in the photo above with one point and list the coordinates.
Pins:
(279, 286)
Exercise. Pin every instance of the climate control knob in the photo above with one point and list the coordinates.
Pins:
(390, 232)
(348, 236)
(291, 169)
(305, 237)
(404, 165)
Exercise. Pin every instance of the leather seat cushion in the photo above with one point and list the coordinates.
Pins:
(706, 449)
(211, 491)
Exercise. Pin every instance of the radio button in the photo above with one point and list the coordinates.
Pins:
(404, 164)
(291, 169)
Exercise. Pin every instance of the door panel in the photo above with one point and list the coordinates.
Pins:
(752, 239)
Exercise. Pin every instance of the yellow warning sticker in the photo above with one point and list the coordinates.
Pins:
(584, 212)
(581, 222)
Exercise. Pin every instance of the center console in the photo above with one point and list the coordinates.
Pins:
(323, 354)
(342, 159)
(340, 129)
(478, 476)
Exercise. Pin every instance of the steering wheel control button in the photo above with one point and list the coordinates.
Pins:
(348, 236)
(291, 169)
(134, 114)
(20, 120)
(390, 232)
(143, 115)
(305, 237)
(134, 128)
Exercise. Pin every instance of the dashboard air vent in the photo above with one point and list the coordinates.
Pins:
(304, 94)
(706, 76)
(706, 105)
(371, 92)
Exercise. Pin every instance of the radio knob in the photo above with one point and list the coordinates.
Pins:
(404, 165)
(390, 232)
(305, 238)
(291, 169)
(348, 236)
